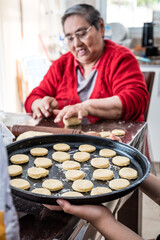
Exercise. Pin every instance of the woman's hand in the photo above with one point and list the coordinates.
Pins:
(44, 107)
(78, 110)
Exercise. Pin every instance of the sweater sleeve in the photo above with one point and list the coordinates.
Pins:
(129, 85)
(47, 87)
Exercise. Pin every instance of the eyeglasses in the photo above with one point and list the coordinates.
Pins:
(81, 35)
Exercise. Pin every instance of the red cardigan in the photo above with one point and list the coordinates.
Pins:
(118, 74)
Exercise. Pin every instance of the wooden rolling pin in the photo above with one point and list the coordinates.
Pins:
(19, 129)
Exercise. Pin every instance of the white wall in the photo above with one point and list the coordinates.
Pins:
(154, 113)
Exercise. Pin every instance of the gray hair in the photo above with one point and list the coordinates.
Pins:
(91, 15)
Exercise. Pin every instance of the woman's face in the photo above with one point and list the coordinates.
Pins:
(89, 49)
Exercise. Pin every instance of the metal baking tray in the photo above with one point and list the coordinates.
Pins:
(138, 162)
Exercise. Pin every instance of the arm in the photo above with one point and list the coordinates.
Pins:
(109, 108)
(151, 187)
(101, 218)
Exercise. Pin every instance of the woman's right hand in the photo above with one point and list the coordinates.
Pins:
(44, 107)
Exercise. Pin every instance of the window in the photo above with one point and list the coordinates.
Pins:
(132, 13)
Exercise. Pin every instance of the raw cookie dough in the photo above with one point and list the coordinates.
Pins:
(121, 161)
(105, 134)
(43, 162)
(69, 165)
(19, 158)
(117, 184)
(118, 132)
(100, 190)
(72, 121)
(107, 153)
(74, 175)
(81, 156)
(128, 173)
(52, 184)
(61, 147)
(71, 194)
(20, 183)
(37, 173)
(86, 148)
(82, 185)
(43, 191)
(29, 134)
(14, 170)
(103, 174)
(39, 151)
(60, 156)
(100, 162)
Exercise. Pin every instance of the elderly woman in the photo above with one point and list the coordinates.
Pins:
(95, 78)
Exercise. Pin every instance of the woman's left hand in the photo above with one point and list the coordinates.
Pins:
(78, 110)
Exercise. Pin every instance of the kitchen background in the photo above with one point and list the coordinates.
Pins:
(31, 37)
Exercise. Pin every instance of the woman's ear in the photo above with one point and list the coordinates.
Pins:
(102, 26)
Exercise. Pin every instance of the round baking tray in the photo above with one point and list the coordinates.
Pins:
(137, 161)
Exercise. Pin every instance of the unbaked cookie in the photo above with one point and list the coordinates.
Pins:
(103, 174)
(14, 170)
(60, 156)
(19, 158)
(107, 153)
(121, 161)
(72, 194)
(82, 185)
(37, 173)
(20, 183)
(86, 148)
(52, 184)
(39, 151)
(100, 190)
(100, 162)
(74, 175)
(128, 173)
(43, 162)
(118, 132)
(61, 147)
(69, 165)
(81, 156)
(117, 184)
(72, 121)
(105, 134)
(43, 191)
